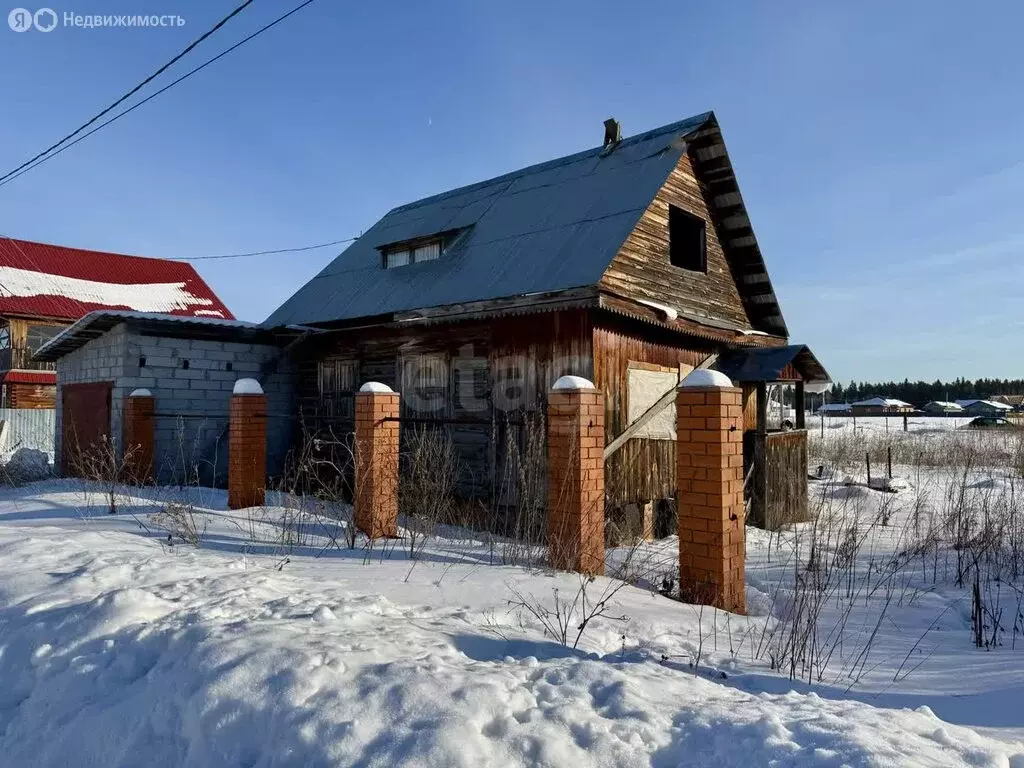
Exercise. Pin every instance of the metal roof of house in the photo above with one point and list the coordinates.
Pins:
(769, 363)
(547, 228)
(53, 281)
(882, 402)
(95, 324)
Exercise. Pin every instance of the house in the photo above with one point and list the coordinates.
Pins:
(1014, 401)
(44, 288)
(881, 406)
(980, 407)
(942, 408)
(629, 264)
(835, 409)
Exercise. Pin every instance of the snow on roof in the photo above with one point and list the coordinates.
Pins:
(990, 403)
(42, 280)
(883, 402)
(946, 404)
(835, 407)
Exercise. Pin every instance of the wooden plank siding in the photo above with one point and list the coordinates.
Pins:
(484, 372)
(642, 270)
(643, 469)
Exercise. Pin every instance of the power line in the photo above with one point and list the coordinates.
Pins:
(152, 96)
(136, 89)
(268, 253)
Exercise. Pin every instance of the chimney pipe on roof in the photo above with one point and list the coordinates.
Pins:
(612, 132)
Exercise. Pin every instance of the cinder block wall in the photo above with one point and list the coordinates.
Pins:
(191, 403)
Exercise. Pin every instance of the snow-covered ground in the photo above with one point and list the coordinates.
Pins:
(274, 644)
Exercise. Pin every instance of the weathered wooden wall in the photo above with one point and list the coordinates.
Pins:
(31, 395)
(786, 465)
(642, 270)
(643, 469)
(476, 376)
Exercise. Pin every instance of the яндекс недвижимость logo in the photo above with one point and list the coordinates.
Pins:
(22, 19)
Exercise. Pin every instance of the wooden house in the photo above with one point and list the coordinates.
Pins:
(44, 288)
(629, 264)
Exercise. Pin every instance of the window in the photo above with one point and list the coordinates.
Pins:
(40, 334)
(336, 383)
(402, 255)
(687, 240)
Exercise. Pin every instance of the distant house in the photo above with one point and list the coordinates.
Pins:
(44, 288)
(1014, 401)
(835, 409)
(984, 407)
(942, 407)
(881, 406)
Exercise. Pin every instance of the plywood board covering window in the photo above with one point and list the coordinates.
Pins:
(644, 387)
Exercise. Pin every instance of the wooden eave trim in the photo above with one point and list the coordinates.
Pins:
(629, 308)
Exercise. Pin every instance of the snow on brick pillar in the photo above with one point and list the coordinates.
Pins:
(247, 445)
(376, 471)
(137, 442)
(709, 454)
(576, 476)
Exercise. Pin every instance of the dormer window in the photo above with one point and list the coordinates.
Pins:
(687, 240)
(412, 253)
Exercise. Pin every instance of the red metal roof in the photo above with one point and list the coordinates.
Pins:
(41, 280)
(28, 377)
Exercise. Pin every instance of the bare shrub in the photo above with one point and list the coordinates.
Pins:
(180, 523)
(565, 619)
(523, 493)
(426, 487)
(100, 464)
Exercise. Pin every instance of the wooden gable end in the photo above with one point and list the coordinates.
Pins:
(642, 270)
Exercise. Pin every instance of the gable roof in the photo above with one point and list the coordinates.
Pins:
(54, 281)
(546, 228)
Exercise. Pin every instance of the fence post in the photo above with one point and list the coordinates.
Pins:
(576, 476)
(247, 445)
(376, 466)
(709, 454)
(137, 434)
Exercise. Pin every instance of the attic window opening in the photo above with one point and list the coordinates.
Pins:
(687, 238)
(403, 255)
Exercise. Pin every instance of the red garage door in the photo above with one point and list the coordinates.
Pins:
(85, 419)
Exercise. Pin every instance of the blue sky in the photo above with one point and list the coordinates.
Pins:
(879, 145)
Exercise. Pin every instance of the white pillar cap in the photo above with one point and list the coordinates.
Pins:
(702, 377)
(141, 392)
(247, 387)
(376, 386)
(573, 382)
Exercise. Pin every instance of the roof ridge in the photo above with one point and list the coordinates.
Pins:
(696, 121)
(104, 253)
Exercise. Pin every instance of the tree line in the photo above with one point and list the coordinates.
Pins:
(920, 392)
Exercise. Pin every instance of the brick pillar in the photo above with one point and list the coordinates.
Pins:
(709, 451)
(247, 445)
(376, 471)
(137, 436)
(576, 476)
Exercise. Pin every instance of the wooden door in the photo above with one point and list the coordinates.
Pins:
(85, 423)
